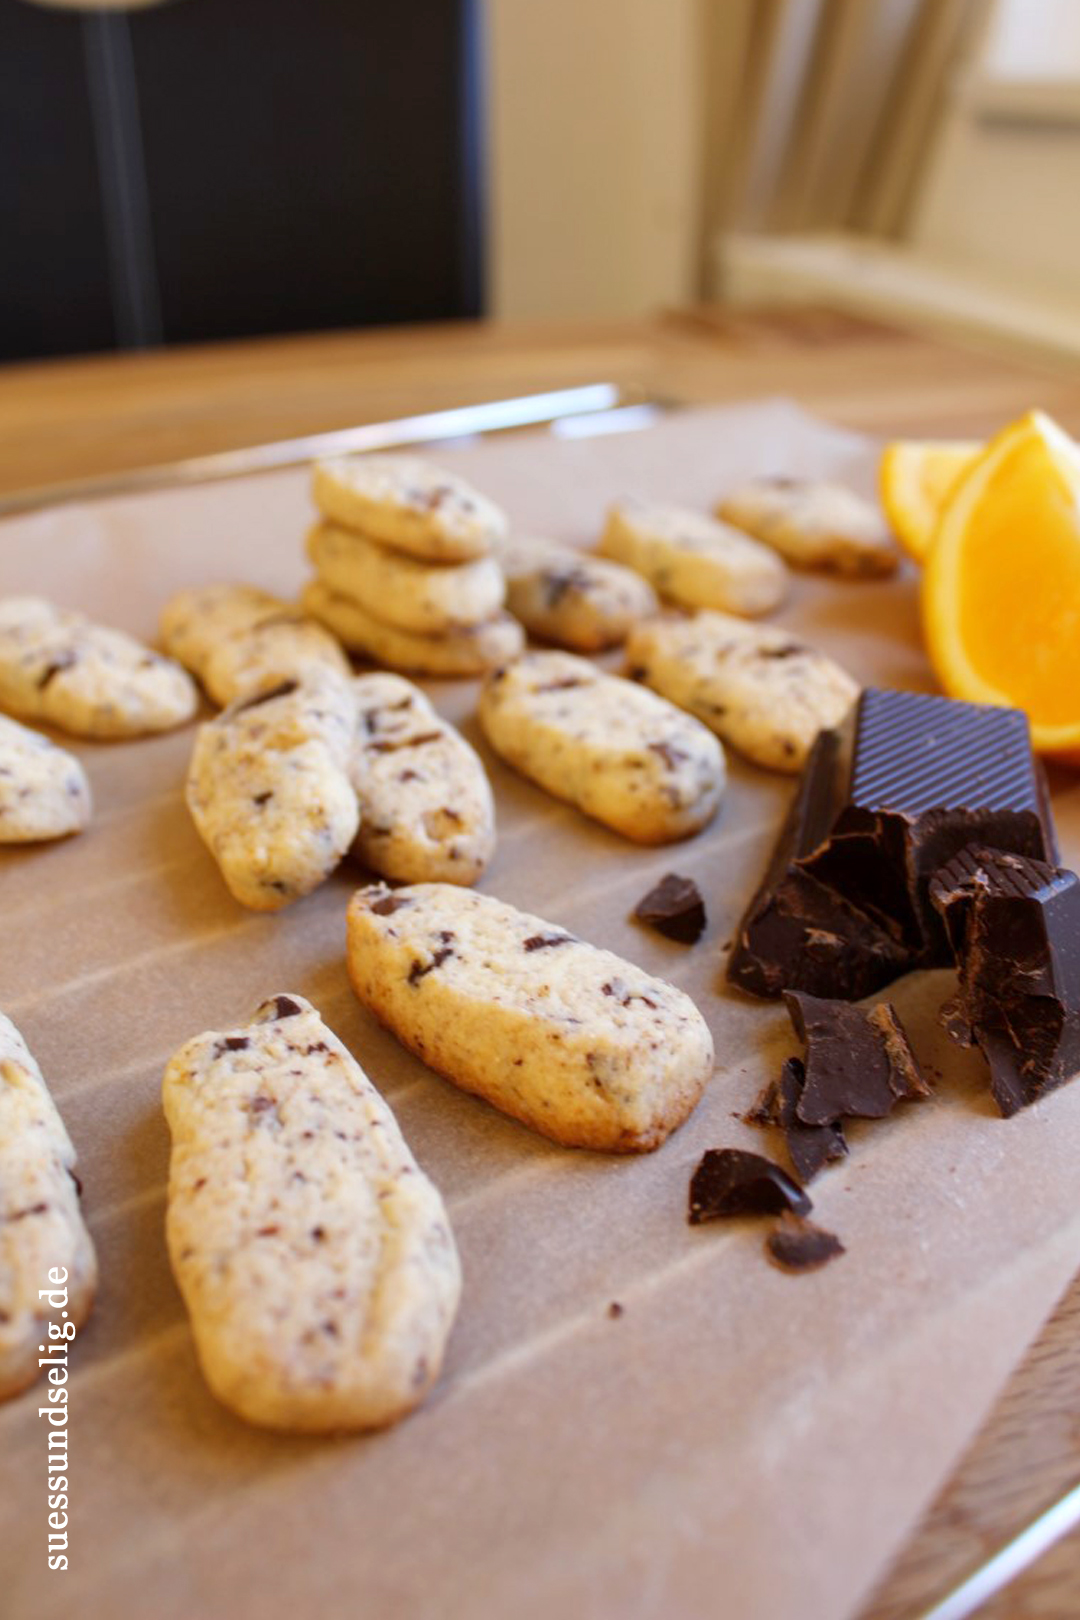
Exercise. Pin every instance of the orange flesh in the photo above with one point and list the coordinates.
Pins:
(1020, 594)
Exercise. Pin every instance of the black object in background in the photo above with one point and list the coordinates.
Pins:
(223, 168)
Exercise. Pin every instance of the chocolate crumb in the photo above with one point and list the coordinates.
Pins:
(798, 1245)
(674, 908)
(615, 1310)
(235, 1043)
(286, 1007)
(730, 1181)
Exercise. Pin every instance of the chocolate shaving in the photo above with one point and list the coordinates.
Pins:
(282, 689)
(56, 667)
(674, 908)
(798, 1245)
(420, 970)
(730, 1181)
(543, 942)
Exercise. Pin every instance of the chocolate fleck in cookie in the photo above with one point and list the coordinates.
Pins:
(84, 678)
(314, 1256)
(458, 652)
(43, 789)
(237, 637)
(814, 524)
(409, 504)
(270, 791)
(693, 560)
(621, 754)
(401, 590)
(571, 597)
(572, 1040)
(757, 686)
(426, 811)
(42, 1233)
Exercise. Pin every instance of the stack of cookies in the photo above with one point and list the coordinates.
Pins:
(404, 570)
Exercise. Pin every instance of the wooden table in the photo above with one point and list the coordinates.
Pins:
(68, 419)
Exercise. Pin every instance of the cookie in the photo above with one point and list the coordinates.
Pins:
(571, 1040)
(235, 638)
(409, 504)
(84, 678)
(42, 1233)
(693, 560)
(459, 652)
(757, 686)
(571, 597)
(814, 524)
(314, 1256)
(426, 812)
(43, 789)
(401, 590)
(619, 753)
(269, 787)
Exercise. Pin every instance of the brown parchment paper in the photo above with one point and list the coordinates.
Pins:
(737, 1442)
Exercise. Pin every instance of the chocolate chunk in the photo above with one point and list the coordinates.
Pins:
(810, 1147)
(543, 942)
(674, 908)
(231, 1043)
(885, 800)
(389, 903)
(798, 1245)
(730, 1181)
(857, 1064)
(1014, 924)
(286, 1006)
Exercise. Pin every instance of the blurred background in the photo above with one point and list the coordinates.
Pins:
(191, 170)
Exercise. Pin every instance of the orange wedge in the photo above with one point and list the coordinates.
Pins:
(1001, 585)
(916, 479)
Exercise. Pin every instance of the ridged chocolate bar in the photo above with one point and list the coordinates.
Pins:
(887, 799)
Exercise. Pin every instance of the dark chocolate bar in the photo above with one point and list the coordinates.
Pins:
(884, 802)
(1014, 925)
